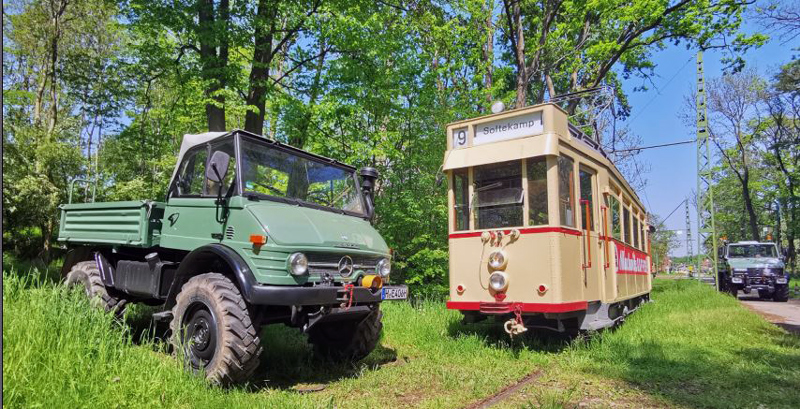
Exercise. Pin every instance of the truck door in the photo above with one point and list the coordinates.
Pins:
(192, 216)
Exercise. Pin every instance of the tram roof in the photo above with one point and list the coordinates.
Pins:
(549, 122)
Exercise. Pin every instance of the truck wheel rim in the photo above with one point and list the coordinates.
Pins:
(200, 335)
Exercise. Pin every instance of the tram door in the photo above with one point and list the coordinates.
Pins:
(591, 261)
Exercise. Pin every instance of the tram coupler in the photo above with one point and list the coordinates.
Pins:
(516, 325)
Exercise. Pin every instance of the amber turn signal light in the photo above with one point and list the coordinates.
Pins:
(258, 239)
(372, 282)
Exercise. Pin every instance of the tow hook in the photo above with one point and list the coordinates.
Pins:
(516, 325)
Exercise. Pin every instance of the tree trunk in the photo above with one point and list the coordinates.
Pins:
(522, 69)
(488, 50)
(748, 204)
(213, 61)
(259, 73)
(53, 86)
(299, 138)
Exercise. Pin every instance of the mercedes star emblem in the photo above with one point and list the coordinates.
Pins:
(345, 266)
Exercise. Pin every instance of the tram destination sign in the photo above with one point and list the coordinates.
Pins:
(509, 128)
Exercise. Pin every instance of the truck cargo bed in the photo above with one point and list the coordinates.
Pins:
(131, 223)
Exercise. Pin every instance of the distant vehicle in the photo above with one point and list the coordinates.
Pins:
(251, 232)
(753, 266)
(544, 231)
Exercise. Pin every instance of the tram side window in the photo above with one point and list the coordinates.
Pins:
(566, 191)
(586, 194)
(461, 195)
(626, 225)
(636, 232)
(498, 195)
(537, 191)
(642, 236)
(616, 231)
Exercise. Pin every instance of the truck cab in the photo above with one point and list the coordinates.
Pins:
(752, 266)
(251, 232)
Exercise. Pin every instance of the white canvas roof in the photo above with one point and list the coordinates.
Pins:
(190, 141)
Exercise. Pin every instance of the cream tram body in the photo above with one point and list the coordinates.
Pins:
(541, 223)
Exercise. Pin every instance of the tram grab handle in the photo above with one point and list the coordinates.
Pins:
(588, 223)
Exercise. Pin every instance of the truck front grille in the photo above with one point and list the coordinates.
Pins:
(320, 263)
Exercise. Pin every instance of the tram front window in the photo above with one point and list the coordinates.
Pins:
(498, 195)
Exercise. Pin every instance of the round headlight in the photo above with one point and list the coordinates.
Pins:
(497, 260)
(498, 281)
(384, 267)
(298, 264)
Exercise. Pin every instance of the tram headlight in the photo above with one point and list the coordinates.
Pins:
(298, 264)
(497, 260)
(498, 281)
(384, 267)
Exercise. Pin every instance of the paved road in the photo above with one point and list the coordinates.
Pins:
(782, 314)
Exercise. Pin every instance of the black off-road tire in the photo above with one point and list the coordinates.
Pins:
(87, 275)
(781, 293)
(212, 330)
(733, 290)
(347, 341)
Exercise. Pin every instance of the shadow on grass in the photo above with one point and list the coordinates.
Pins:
(696, 380)
(287, 360)
(492, 333)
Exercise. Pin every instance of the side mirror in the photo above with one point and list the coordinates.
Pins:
(218, 166)
(368, 177)
(652, 229)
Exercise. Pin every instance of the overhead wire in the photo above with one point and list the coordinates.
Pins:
(658, 94)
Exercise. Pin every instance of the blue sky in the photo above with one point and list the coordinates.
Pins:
(672, 177)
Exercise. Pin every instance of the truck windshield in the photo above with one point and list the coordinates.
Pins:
(752, 250)
(277, 173)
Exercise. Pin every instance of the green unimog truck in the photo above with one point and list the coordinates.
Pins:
(251, 232)
(752, 266)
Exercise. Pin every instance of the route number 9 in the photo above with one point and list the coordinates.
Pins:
(459, 138)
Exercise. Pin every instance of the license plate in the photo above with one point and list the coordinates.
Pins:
(394, 293)
(780, 281)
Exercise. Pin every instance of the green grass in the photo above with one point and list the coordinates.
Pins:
(692, 347)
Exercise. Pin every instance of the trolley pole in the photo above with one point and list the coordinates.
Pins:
(706, 227)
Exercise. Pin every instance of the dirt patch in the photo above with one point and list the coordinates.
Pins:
(506, 392)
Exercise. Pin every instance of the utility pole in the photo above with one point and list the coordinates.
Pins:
(706, 227)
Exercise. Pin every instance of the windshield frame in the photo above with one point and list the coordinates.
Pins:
(771, 245)
(271, 144)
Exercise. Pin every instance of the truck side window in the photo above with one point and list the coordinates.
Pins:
(498, 195)
(461, 196)
(616, 231)
(537, 191)
(566, 191)
(191, 176)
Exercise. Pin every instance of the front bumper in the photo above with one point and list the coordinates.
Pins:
(318, 295)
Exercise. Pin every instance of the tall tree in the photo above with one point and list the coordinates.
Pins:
(732, 101)
(562, 46)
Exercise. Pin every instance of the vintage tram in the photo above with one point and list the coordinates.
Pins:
(544, 232)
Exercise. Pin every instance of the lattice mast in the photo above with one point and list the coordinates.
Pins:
(689, 247)
(706, 227)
